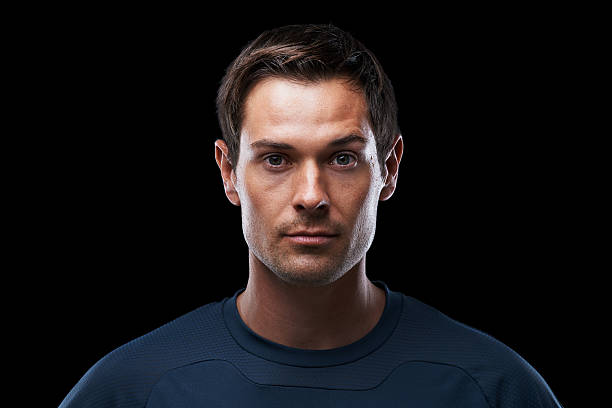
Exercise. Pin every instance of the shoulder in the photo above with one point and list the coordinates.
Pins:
(125, 377)
(503, 376)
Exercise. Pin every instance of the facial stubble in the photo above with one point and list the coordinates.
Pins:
(306, 266)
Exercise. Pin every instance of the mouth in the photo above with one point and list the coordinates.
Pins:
(311, 238)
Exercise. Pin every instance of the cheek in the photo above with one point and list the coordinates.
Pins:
(260, 201)
(357, 200)
(369, 207)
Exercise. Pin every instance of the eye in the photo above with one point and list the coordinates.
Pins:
(344, 160)
(275, 160)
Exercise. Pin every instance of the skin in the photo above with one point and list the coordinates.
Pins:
(308, 182)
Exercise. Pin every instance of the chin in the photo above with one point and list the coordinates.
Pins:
(310, 273)
(306, 280)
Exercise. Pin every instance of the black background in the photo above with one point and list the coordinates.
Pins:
(131, 228)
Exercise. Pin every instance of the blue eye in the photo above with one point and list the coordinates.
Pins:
(344, 159)
(275, 160)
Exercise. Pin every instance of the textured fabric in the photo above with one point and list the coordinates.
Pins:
(414, 357)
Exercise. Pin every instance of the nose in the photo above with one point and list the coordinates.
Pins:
(310, 189)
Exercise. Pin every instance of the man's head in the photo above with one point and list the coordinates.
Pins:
(302, 155)
(309, 54)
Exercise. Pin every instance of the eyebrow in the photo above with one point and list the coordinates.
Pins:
(349, 139)
(265, 143)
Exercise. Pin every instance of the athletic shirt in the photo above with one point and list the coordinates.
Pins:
(414, 357)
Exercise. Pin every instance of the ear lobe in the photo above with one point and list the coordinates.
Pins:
(227, 172)
(392, 168)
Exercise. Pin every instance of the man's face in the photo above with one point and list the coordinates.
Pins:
(307, 179)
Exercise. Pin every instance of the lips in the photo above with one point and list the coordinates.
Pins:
(311, 237)
(312, 233)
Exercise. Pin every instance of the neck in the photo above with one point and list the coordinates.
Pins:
(314, 318)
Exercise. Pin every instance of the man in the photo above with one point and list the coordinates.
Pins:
(310, 145)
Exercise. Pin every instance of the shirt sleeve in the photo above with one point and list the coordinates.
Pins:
(518, 385)
(110, 383)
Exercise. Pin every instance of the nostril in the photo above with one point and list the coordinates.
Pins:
(319, 206)
(322, 205)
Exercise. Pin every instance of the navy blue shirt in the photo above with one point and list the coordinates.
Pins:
(414, 357)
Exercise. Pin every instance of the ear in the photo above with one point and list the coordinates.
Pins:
(392, 168)
(227, 171)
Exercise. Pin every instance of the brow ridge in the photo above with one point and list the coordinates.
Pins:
(263, 143)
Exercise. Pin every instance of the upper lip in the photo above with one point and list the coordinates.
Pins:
(312, 233)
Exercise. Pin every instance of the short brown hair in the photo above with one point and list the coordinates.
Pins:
(307, 53)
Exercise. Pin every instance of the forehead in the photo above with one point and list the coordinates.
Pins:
(283, 109)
